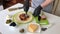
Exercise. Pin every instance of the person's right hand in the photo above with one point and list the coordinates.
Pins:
(37, 11)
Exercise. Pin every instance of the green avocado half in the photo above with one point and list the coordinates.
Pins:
(18, 21)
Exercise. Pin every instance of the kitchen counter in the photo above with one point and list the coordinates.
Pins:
(55, 29)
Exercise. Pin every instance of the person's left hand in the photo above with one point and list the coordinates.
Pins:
(37, 11)
(26, 5)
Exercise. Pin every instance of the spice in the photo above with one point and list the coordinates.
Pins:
(13, 24)
(8, 21)
(22, 30)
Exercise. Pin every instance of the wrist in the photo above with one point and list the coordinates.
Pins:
(42, 6)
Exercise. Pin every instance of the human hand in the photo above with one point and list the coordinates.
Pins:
(26, 5)
(37, 11)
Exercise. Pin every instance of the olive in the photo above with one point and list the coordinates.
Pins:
(43, 29)
(13, 24)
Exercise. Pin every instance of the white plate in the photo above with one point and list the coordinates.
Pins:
(6, 29)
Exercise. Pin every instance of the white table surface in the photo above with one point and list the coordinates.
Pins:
(55, 29)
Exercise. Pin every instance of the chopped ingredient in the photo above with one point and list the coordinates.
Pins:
(43, 29)
(22, 30)
(8, 16)
(13, 24)
(32, 27)
(43, 17)
(8, 21)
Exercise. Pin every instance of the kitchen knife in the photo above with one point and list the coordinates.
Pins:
(12, 9)
(39, 18)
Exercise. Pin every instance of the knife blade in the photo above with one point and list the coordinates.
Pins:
(12, 9)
